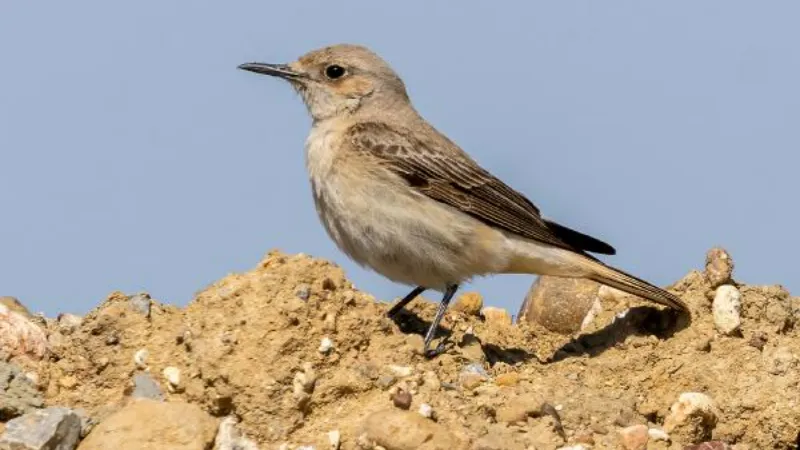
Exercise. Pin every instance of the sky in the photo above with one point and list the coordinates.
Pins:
(136, 157)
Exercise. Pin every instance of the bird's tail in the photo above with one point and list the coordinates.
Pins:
(618, 279)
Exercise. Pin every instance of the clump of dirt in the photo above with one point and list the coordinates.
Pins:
(294, 352)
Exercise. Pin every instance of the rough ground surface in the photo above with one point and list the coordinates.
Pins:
(250, 347)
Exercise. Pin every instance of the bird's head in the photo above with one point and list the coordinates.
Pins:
(340, 80)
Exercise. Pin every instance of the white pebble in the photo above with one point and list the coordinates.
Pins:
(335, 438)
(657, 434)
(173, 376)
(727, 307)
(691, 407)
(140, 358)
(426, 410)
(400, 371)
(326, 345)
(596, 309)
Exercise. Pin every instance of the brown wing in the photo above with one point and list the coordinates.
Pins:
(454, 179)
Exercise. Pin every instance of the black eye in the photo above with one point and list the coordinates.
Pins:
(333, 71)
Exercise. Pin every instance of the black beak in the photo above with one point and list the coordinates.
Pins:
(275, 70)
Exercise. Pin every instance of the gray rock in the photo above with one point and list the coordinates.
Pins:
(230, 438)
(52, 428)
(146, 387)
(141, 303)
(18, 395)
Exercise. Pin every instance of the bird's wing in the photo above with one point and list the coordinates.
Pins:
(456, 180)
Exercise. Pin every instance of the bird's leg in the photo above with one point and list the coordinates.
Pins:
(411, 296)
(448, 295)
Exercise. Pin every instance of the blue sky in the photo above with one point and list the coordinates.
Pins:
(135, 156)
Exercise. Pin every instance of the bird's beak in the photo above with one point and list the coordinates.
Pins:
(275, 70)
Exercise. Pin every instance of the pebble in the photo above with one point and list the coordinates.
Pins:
(658, 434)
(400, 371)
(145, 387)
(507, 379)
(230, 438)
(559, 304)
(405, 430)
(401, 398)
(727, 308)
(173, 377)
(634, 437)
(426, 410)
(692, 418)
(719, 267)
(335, 439)
(431, 381)
(498, 317)
(512, 413)
(470, 303)
(710, 445)
(68, 323)
(140, 358)
(303, 292)
(54, 428)
(779, 360)
(326, 345)
(141, 303)
(470, 381)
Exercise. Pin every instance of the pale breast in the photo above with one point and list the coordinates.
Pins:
(381, 223)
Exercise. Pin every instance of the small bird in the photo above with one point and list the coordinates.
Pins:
(401, 198)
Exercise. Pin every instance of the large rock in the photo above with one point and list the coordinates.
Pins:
(18, 395)
(559, 304)
(405, 430)
(19, 336)
(147, 424)
(46, 429)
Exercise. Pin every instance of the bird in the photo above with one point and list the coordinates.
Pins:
(399, 197)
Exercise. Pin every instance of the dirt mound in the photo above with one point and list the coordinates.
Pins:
(299, 357)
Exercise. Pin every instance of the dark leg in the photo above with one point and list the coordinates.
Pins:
(448, 295)
(411, 296)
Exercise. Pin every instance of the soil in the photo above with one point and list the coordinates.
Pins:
(251, 346)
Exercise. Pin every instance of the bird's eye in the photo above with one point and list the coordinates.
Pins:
(333, 71)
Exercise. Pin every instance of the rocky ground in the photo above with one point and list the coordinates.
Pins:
(291, 356)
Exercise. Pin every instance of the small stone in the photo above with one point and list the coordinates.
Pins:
(230, 438)
(507, 379)
(634, 437)
(471, 381)
(758, 340)
(303, 292)
(498, 317)
(112, 338)
(470, 303)
(426, 411)
(335, 439)
(719, 267)
(692, 418)
(140, 358)
(173, 377)
(703, 344)
(400, 371)
(404, 430)
(326, 345)
(146, 424)
(52, 428)
(385, 381)
(658, 434)
(727, 308)
(145, 387)
(141, 303)
(401, 399)
(559, 304)
(68, 323)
